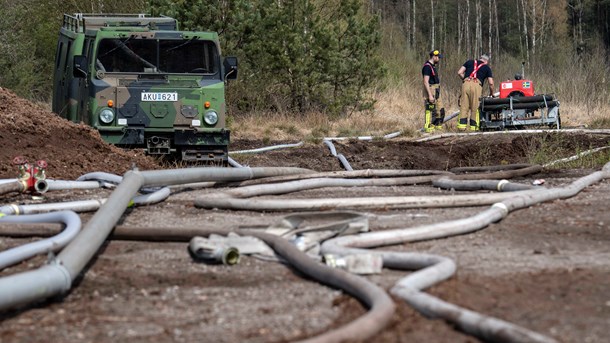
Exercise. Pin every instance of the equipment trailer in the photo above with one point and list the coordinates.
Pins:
(518, 107)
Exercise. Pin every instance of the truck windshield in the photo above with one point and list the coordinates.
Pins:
(127, 55)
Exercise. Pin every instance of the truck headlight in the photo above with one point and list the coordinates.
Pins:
(106, 116)
(210, 117)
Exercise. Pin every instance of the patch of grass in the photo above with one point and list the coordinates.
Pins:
(600, 123)
(319, 132)
(592, 160)
(349, 132)
(310, 126)
(289, 129)
(482, 157)
(543, 149)
(313, 139)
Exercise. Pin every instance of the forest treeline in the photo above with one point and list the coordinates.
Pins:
(316, 55)
(523, 28)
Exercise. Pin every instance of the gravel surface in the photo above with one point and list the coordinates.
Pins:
(545, 268)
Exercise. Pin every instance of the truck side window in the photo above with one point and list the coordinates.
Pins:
(60, 47)
(67, 54)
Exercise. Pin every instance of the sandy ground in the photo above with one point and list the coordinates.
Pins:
(545, 268)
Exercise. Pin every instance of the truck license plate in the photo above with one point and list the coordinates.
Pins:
(150, 96)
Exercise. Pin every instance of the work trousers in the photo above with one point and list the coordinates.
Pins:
(469, 104)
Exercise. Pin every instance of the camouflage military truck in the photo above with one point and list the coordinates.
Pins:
(144, 84)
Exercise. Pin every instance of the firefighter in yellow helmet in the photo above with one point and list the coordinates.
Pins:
(434, 111)
(473, 74)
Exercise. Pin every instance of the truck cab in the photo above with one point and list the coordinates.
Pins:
(142, 83)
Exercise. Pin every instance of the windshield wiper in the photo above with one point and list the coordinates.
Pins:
(123, 46)
(118, 45)
(183, 44)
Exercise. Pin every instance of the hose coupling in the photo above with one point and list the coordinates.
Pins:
(41, 186)
(211, 251)
(501, 185)
(362, 264)
(502, 207)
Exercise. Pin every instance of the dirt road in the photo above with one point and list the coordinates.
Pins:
(545, 268)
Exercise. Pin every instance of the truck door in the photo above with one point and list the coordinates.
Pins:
(80, 94)
(58, 89)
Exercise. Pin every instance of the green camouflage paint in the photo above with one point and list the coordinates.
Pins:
(137, 72)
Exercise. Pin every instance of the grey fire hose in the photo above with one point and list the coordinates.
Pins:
(56, 277)
(55, 185)
(269, 148)
(353, 174)
(238, 198)
(12, 186)
(226, 202)
(480, 169)
(381, 306)
(112, 178)
(575, 157)
(497, 212)
(341, 158)
(18, 254)
(365, 138)
(327, 141)
(82, 205)
(475, 185)
(42, 186)
(234, 163)
(437, 269)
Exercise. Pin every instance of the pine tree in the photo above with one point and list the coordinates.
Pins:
(291, 59)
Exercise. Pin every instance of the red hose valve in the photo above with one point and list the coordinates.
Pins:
(39, 170)
(23, 167)
(32, 176)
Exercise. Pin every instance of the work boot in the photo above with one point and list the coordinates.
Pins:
(474, 126)
(462, 124)
(429, 117)
(438, 123)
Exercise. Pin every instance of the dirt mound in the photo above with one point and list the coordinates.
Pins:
(70, 149)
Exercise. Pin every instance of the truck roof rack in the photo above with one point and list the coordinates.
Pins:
(79, 22)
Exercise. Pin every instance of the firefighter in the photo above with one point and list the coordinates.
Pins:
(434, 111)
(473, 74)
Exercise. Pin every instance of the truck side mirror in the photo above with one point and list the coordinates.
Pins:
(230, 64)
(80, 68)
